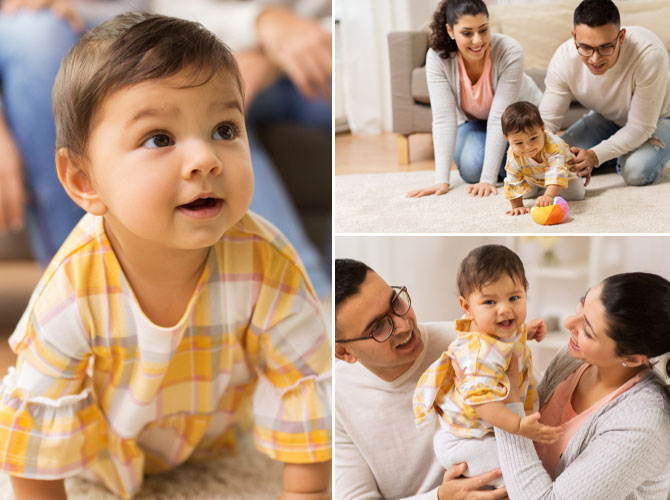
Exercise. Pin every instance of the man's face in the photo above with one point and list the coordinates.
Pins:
(358, 314)
(607, 38)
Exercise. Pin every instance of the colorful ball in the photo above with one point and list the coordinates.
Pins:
(553, 214)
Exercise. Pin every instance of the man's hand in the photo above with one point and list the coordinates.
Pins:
(518, 211)
(12, 191)
(62, 8)
(583, 163)
(544, 201)
(438, 189)
(454, 487)
(531, 428)
(300, 47)
(481, 189)
(257, 72)
(537, 330)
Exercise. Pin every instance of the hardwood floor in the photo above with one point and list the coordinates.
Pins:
(368, 154)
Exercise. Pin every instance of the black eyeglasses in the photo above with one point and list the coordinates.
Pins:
(603, 50)
(383, 328)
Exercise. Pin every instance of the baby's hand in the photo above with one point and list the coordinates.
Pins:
(531, 428)
(518, 211)
(537, 330)
(544, 201)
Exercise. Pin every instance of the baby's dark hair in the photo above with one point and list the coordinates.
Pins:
(595, 13)
(126, 50)
(522, 116)
(449, 12)
(637, 307)
(487, 264)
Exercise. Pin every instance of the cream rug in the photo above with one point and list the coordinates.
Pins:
(376, 203)
(248, 476)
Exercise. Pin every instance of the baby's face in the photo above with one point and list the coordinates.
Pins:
(498, 308)
(171, 163)
(528, 143)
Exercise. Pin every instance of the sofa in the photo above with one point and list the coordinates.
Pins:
(539, 27)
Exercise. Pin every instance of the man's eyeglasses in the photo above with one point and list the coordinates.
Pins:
(383, 328)
(603, 50)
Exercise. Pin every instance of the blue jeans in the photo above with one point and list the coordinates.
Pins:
(282, 102)
(32, 45)
(641, 166)
(469, 151)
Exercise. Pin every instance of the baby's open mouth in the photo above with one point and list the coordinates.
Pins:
(506, 324)
(201, 204)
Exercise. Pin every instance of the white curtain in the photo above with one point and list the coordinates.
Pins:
(364, 59)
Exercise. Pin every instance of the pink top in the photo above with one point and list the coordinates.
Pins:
(476, 99)
(559, 411)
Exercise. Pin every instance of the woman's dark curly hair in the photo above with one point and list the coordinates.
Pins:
(449, 12)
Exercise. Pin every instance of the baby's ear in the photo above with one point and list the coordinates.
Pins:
(73, 175)
(465, 306)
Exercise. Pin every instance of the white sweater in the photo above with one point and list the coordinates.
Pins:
(379, 452)
(634, 93)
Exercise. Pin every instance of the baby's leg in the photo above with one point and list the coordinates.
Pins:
(574, 191)
(481, 454)
(532, 192)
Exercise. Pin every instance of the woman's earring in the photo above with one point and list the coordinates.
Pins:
(624, 364)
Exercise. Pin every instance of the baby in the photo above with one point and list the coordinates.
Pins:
(492, 286)
(536, 161)
(170, 311)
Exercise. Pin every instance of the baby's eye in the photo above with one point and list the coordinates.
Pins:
(158, 141)
(225, 132)
(489, 302)
(514, 298)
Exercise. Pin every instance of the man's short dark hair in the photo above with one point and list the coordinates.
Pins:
(595, 13)
(349, 276)
(487, 264)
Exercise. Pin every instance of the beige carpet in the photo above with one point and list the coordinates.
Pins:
(376, 203)
(249, 476)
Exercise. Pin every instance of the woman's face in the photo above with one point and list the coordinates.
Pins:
(588, 329)
(472, 36)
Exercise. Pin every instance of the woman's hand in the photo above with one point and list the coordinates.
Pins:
(437, 189)
(482, 189)
(62, 8)
(454, 487)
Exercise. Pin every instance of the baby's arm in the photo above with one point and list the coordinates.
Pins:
(517, 207)
(32, 489)
(537, 330)
(547, 198)
(306, 481)
(498, 415)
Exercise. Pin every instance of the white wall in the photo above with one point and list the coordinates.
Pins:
(427, 265)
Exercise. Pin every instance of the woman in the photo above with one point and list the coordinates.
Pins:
(472, 77)
(614, 409)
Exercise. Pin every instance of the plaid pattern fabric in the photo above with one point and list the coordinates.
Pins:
(484, 360)
(99, 387)
(552, 170)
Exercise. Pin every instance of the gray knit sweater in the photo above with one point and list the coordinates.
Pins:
(622, 451)
(509, 84)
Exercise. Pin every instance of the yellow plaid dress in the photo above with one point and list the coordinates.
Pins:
(553, 169)
(484, 360)
(98, 387)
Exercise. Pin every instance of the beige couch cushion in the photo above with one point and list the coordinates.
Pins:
(541, 27)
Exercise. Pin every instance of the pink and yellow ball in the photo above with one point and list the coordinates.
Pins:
(553, 214)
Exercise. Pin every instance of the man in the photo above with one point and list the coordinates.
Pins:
(623, 76)
(379, 452)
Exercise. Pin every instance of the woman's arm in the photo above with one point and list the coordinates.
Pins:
(35, 489)
(629, 445)
(508, 87)
(444, 107)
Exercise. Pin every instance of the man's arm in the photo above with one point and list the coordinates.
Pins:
(556, 99)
